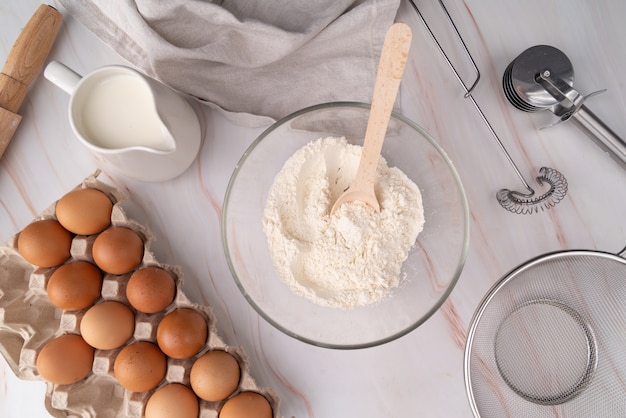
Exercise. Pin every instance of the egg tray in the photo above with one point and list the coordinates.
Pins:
(28, 321)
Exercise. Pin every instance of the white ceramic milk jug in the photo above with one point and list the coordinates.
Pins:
(140, 126)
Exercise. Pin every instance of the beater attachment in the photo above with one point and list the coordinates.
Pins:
(528, 203)
(513, 201)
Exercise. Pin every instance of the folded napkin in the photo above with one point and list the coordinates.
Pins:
(257, 60)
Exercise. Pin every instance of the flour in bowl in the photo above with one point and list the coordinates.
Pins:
(354, 257)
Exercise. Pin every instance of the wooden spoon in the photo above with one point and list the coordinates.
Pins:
(390, 68)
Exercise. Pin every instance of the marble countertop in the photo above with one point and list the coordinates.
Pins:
(420, 374)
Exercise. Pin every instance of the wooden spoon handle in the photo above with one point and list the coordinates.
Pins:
(390, 69)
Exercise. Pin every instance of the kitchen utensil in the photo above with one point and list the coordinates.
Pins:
(428, 275)
(541, 78)
(390, 68)
(141, 127)
(548, 339)
(24, 62)
(513, 201)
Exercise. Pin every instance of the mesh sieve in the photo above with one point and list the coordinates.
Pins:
(549, 340)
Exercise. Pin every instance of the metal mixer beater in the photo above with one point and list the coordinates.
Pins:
(513, 201)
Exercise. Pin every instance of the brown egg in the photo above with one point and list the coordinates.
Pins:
(45, 243)
(150, 289)
(246, 405)
(84, 211)
(172, 401)
(118, 250)
(140, 366)
(107, 325)
(215, 375)
(66, 359)
(75, 285)
(182, 333)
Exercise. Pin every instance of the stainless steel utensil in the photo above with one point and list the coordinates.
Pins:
(513, 201)
(541, 78)
(548, 340)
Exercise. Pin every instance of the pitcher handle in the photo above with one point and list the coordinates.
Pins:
(62, 76)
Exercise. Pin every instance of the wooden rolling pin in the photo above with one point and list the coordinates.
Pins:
(25, 61)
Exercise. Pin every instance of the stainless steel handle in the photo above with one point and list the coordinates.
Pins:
(601, 134)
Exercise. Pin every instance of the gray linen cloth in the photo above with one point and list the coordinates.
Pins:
(258, 60)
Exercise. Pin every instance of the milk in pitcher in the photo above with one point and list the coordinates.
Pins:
(131, 118)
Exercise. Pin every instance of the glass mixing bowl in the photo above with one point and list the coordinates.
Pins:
(430, 271)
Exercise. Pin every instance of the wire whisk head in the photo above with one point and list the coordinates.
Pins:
(523, 204)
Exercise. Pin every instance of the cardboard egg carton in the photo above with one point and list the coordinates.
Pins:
(28, 321)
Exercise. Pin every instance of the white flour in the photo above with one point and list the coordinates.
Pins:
(354, 257)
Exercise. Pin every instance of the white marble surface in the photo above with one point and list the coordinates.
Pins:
(420, 374)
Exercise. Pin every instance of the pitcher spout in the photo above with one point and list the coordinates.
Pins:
(167, 144)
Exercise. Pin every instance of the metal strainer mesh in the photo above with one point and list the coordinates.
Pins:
(549, 340)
